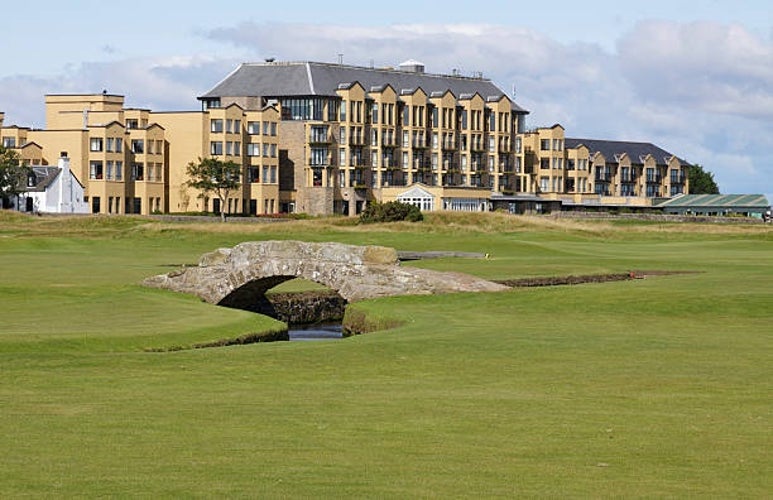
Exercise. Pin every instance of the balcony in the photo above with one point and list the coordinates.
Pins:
(320, 138)
(654, 179)
(449, 144)
(357, 140)
(419, 142)
(678, 179)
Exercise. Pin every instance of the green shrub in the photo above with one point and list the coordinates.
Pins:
(391, 211)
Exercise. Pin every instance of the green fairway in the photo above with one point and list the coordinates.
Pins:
(658, 387)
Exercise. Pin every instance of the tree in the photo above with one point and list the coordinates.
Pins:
(211, 175)
(13, 174)
(701, 181)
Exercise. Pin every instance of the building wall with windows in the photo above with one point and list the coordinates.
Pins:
(116, 153)
(351, 132)
(330, 138)
(248, 138)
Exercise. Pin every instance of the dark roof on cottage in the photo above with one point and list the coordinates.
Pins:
(288, 79)
(41, 178)
(612, 150)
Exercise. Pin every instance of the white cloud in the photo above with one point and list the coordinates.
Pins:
(708, 66)
(703, 91)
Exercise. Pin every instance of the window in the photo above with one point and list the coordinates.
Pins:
(342, 115)
(544, 163)
(544, 145)
(464, 120)
(212, 103)
(374, 113)
(265, 150)
(138, 171)
(237, 148)
(252, 174)
(109, 170)
(119, 170)
(110, 145)
(253, 149)
(118, 145)
(216, 148)
(95, 144)
(319, 156)
(216, 125)
(435, 117)
(132, 123)
(273, 128)
(273, 151)
(229, 126)
(229, 148)
(9, 142)
(253, 128)
(273, 174)
(95, 170)
(342, 156)
(138, 146)
(544, 183)
(492, 145)
(342, 135)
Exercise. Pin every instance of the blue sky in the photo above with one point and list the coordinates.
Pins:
(694, 77)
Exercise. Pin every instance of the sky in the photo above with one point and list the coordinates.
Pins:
(693, 77)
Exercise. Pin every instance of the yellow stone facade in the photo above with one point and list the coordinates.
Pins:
(336, 152)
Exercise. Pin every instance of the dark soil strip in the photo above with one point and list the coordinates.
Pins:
(589, 278)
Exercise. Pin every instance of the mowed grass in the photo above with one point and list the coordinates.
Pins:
(643, 388)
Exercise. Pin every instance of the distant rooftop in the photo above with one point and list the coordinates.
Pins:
(305, 79)
(728, 201)
(637, 151)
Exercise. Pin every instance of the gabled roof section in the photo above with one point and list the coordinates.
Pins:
(417, 191)
(296, 79)
(613, 149)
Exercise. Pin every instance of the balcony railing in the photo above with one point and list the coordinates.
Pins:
(320, 138)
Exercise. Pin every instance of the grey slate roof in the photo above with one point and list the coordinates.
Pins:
(612, 149)
(288, 79)
(44, 176)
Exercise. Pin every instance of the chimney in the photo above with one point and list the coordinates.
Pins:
(65, 184)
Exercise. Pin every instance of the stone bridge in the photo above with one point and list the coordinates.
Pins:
(239, 276)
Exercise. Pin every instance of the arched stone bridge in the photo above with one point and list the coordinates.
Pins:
(237, 276)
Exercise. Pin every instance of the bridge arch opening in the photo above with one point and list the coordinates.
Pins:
(304, 303)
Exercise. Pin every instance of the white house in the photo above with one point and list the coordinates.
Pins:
(53, 190)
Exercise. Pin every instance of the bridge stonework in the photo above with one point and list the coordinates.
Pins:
(237, 276)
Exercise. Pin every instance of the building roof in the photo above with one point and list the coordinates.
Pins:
(43, 177)
(288, 79)
(637, 151)
(729, 201)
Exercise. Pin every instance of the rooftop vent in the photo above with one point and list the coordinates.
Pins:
(412, 65)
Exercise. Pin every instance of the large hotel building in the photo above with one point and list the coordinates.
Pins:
(324, 138)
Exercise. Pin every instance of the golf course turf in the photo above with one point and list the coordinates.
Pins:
(639, 388)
